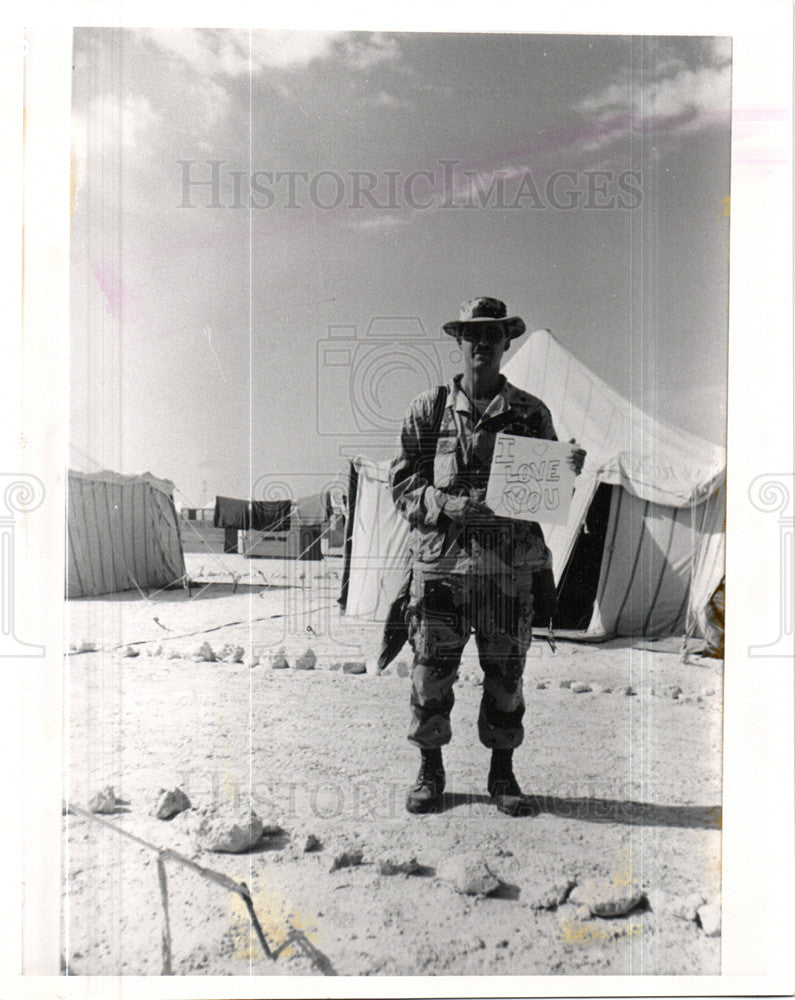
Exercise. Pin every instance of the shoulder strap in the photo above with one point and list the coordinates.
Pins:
(438, 409)
(430, 434)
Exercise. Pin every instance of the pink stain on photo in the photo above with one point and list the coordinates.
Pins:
(119, 301)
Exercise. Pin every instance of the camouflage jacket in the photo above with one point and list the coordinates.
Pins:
(424, 478)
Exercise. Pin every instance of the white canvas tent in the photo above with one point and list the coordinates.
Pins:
(376, 543)
(643, 550)
(122, 532)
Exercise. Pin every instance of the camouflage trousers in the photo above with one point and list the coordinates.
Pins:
(442, 615)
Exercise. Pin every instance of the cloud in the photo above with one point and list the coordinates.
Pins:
(720, 49)
(669, 65)
(210, 102)
(387, 220)
(705, 91)
(467, 189)
(385, 100)
(111, 126)
(233, 53)
(363, 53)
(292, 48)
(678, 95)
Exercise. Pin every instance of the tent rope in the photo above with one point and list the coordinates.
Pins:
(215, 628)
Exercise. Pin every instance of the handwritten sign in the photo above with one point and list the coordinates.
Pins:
(530, 479)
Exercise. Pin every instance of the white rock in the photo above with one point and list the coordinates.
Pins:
(171, 802)
(659, 902)
(175, 654)
(104, 801)
(307, 661)
(354, 667)
(551, 895)
(687, 908)
(87, 646)
(131, 651)
(278, 660)
(581, 687)
(470, 876)
(392, 865)
(237, 654)
(228, 830)
(205, 653)
(606, 899)
(709, 918)
(253, 662)
(352, 857)
(312, 843)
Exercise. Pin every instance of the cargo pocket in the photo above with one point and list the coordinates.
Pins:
(440, 623)
(523, 619)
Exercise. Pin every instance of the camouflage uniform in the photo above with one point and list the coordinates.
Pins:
(467, 578)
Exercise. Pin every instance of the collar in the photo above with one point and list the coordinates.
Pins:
(458, 399)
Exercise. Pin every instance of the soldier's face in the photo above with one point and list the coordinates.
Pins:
(482, 347)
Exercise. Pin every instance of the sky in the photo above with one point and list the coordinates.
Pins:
(269, 228)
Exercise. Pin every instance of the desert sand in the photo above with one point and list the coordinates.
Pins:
(627, 777)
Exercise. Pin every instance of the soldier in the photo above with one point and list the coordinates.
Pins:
(471, 571)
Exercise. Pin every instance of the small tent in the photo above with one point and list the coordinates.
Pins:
(122, 532)
(642, 553)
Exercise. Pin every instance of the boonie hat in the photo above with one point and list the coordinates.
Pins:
(485, 310)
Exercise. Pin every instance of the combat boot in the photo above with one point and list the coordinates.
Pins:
(502, 780)
(426, 794)
(503, 786)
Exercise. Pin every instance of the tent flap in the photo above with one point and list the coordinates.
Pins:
(379, 551)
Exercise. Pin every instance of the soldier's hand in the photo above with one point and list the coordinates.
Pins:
(477, 513)
(468, 511)
(576, 458)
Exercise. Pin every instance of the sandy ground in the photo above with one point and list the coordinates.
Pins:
(628, 784)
